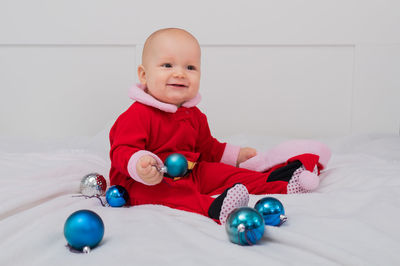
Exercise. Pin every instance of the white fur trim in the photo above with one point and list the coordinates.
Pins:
(138, 93)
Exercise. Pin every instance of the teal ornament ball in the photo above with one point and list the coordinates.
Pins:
(245, 226)
(176, 165)
(272, 211)
(83, 230)
(117, 196)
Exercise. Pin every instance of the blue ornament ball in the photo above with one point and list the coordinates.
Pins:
(245, 226)
(83, 228)
(176, 164)
(117, 196)
(272, 211)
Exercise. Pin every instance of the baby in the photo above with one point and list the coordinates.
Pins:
(164, 119)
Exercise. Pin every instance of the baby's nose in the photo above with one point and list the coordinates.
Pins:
(179, 73)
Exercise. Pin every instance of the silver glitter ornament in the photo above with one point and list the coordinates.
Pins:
(93, 185)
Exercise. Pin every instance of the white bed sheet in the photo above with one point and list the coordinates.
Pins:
(352, 219)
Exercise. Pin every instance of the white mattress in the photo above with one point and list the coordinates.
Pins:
(352, 218)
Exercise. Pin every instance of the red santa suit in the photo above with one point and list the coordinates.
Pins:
(150, 127)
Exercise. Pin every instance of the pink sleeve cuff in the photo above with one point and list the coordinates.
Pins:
(133, 161)
(231, 154)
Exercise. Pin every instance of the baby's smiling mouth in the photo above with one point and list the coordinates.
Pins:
(177, 85)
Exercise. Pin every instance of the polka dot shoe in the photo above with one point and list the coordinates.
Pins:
(237, 196)
(303, 181)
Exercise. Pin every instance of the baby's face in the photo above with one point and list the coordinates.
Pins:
(171, 68)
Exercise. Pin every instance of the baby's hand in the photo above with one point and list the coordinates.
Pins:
(245, 154)
(147, 171)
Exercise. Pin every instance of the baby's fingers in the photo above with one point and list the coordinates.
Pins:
(155, 173)
(143, 167)
(145, 161)
(154, 177)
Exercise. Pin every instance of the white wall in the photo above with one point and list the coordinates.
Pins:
(293, 68)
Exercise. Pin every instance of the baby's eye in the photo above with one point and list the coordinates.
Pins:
(167, 65)
(191, 67)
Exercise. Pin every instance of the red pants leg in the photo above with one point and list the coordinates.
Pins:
(182, 194)
(214, 178)
(193, 192)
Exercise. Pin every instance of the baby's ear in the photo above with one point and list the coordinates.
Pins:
(141, 74)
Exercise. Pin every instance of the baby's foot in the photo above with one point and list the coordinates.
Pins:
(303, 181)
(232, 198)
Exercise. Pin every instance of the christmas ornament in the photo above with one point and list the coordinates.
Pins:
(86, 249)
(175, 165)
(272, 211)
(83, 230)
(93, 185)
(117, 196)
(245, 226)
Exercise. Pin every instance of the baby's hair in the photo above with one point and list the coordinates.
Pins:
(160, 32)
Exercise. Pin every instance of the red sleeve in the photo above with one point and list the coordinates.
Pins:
(128, 135)
(210, 148)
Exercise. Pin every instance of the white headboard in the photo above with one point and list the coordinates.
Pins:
(291, 68)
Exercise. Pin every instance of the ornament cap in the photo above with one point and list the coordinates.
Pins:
(241, 228)
(86, 249)
(163, 169)
(283, 218)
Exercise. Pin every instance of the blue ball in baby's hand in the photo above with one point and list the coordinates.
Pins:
(176, 165)
(117, 196)
(245, 226)
(83, 230)
(272, 211)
